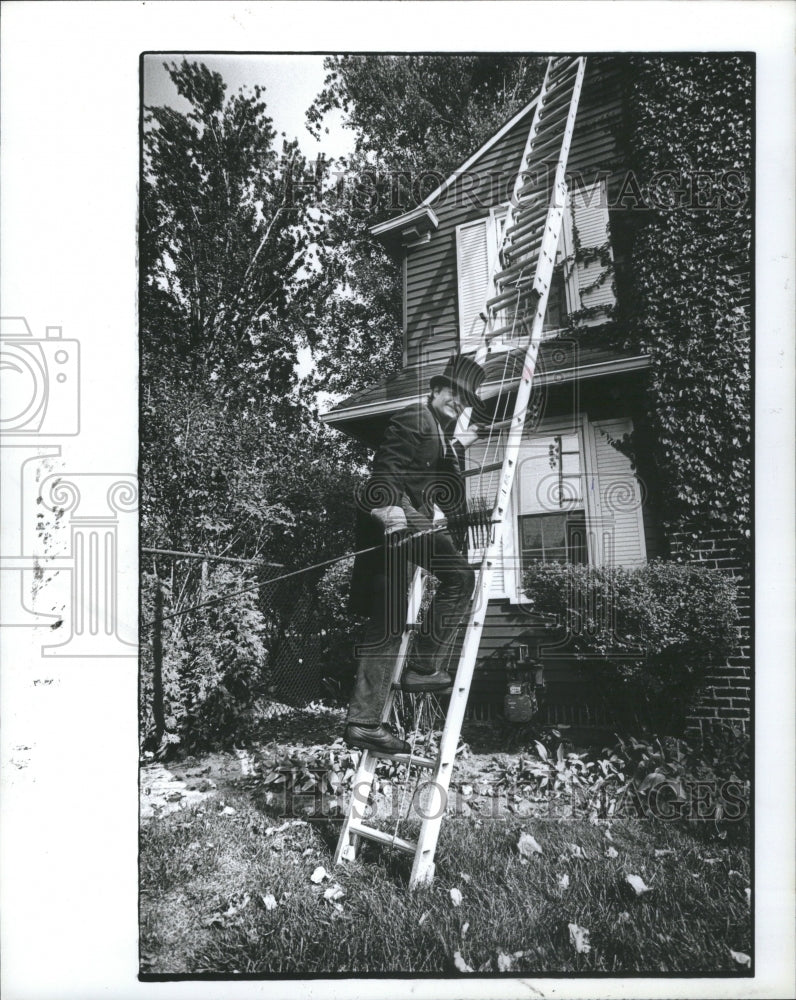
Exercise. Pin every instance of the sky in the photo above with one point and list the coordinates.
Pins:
(291, 83)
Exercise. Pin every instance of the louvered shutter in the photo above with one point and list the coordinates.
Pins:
(472, 263)
(587, 214)
(620, 516)
(486, 486)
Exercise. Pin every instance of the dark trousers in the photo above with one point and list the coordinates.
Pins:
(382, 639)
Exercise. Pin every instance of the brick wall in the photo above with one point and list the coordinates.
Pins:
(726, 696)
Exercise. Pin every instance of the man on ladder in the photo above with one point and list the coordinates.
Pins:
(418, 465)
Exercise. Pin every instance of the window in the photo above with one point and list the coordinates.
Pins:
(588, 282)
(577, 285)
(575, 499)
(553, 538)
(551, 510)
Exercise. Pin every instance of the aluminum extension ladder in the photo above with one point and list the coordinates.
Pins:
(521, 273)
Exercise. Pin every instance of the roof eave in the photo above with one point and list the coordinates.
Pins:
(411, 225)
(391, 229)
(489, 389)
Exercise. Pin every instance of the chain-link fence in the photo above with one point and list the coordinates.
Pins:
(228, 643)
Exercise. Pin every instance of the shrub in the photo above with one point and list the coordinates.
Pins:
(338, 627)
(214, 663)
(652, 632)
(704, 783)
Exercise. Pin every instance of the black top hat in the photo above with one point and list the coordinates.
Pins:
(464, 375)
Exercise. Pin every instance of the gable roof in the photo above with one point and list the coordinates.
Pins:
(385, 230)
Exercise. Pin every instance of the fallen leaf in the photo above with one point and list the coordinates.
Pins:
(232, 909)
(319, 875)
(608, 836)
(227, 811)
(456, 897)
(611, 852)
(741, 958)
(563, 881)
(662, 852)
(334, 892)
(505, 963)
(423, 919)
(460, 963)
(306, 854)
(576, 851)
(711, 861)
(465, 928)
(465, 877)
(467, 790)
(579, 937)
(637, 884)
(269, 901)
(624, 916)
(528, 845)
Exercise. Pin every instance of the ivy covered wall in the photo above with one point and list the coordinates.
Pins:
(690, 130)
(681, 234)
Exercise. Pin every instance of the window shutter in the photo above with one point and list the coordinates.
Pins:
(620, 518)
(486, 486)
(587, 215)
(472, 264)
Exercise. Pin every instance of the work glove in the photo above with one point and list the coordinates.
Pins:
(468, 436)
(392, 519)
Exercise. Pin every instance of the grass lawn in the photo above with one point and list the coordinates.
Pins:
(229, 892)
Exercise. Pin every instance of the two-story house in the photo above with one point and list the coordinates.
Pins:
(576, 497)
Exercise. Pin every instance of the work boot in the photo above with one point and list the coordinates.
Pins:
(414, 681)
(377, 738)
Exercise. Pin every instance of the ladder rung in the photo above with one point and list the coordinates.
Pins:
(510, 329)
(521, 248)
(530, 189)
(404, 758)
(554, 140)
(492, 467)
(371, 833)
(556, 101)
(510, 295)
(526, 228)
(547, 133)
(512, 272)
(525, 217)
(553, 120)
(559, 73)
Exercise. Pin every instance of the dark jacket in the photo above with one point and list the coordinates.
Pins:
(411, 468)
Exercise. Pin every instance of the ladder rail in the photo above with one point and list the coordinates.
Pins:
(543, 249)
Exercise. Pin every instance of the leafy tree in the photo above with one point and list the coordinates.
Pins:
(225, 230)
(227, 226)
(233, 458)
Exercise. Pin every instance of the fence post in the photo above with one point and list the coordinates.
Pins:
(157, 670)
